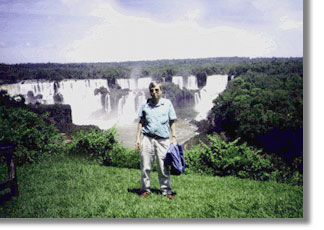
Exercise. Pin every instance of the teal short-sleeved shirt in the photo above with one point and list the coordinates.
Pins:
(156, 119)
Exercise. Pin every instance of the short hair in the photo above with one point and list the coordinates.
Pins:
(154, 84)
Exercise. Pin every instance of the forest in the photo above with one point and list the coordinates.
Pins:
(263, 105)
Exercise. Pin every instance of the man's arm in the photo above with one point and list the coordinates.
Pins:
(173, 132)
(138, 136)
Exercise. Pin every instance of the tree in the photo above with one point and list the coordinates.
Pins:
(263, 108)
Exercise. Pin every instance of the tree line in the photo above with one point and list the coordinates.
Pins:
(159, 69)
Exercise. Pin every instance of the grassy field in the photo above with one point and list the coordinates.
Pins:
(72, 187)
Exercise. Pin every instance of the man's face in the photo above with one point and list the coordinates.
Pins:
(155, 92)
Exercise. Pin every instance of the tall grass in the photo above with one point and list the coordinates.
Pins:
(73, 187)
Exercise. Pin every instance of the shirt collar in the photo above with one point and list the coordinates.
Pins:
(161, 102)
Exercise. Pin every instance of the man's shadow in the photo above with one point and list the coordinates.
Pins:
(139, 191)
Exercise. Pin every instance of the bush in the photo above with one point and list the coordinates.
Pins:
(263, 105)
(288, 173)
(103, 147)
(228, 159)
(32, 136)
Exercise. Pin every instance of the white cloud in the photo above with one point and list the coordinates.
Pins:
(287, 23)
(125, 37)
(70, 2)
(193, 14)
(266, 5)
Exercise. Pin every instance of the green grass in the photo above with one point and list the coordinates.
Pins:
(72, 187)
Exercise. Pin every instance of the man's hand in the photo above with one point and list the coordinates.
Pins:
(138, 136)
(138, 144)
(174, 140)
(173, 132)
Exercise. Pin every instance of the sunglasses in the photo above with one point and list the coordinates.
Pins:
(156, 90)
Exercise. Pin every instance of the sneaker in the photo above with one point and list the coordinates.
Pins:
(170, 197)
(145, 194)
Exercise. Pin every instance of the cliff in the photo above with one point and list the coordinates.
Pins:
(60, 116)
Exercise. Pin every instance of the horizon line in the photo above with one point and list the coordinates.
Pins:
(152, 60)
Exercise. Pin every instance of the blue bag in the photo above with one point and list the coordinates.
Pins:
(175, 159)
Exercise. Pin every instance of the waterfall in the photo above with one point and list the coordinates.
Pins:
(141, 100)
(120, 106)
(192, 83)
(107, 103)
(127, 83)
(132, 84)
(143, 83)
(84, 103)
(90, 109)
(79, 94)
(44, 88)
(197, 98)
(178, 80)
(87, 108)
(215, 84)
(126, 108)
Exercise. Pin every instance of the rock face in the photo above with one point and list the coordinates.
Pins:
(59, 115)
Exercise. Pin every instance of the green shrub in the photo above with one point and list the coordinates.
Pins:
(103, 147)
(287, 173)
(33, 137)
(193, 159)
(228, 159)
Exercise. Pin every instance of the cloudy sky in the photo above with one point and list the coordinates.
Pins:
(125, 30)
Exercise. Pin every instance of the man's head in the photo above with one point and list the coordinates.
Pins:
(155, 90)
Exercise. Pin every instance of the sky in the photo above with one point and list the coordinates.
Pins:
(69, 31)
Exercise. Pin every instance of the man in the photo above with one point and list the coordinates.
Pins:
(157, 117)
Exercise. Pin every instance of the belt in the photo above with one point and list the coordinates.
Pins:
(153, 136)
